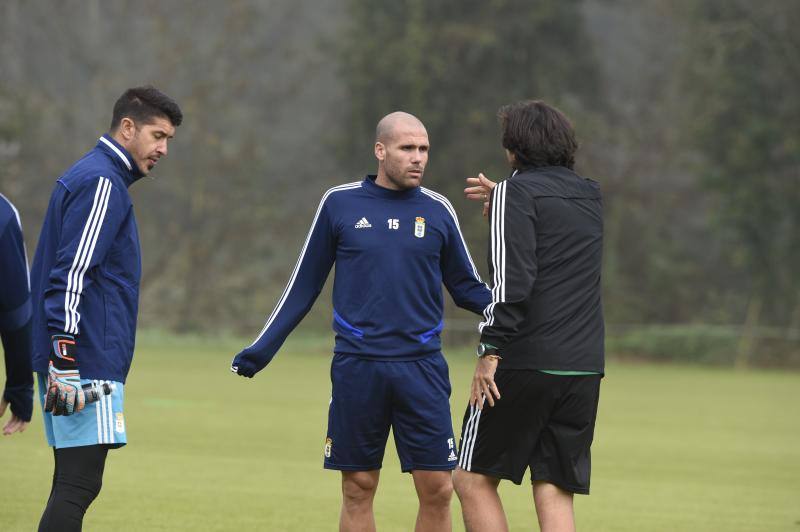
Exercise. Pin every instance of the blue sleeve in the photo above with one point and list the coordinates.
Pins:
(93, 214)
(15, 314)
(458, 271)
(15, 304)
(18, 390)
(305, 284)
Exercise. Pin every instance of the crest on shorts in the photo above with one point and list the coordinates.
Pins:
(120, 423)
(328, 447)
(419, 227)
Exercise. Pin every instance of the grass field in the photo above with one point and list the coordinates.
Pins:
(677, 448)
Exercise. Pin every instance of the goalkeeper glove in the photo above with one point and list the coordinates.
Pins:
(64, 393)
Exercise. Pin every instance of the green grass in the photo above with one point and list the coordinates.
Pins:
(677, 448)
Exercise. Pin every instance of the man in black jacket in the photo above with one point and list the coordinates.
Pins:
(541, 353)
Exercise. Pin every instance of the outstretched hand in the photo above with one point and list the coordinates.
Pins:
(479, 189)
(15, 424)
(242, 365)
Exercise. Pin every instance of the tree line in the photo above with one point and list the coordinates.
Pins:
(686, 113)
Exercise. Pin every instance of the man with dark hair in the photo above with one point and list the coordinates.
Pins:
(541, 354)
(85, 293)
(394, 243)
(15, 321)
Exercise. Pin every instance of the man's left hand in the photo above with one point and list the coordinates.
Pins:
(480, 189)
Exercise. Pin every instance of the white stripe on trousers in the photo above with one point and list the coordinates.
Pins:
(99, 418)
(104, 411)
(110, 410)
(103, 416)
(83, 255)
(470, 436)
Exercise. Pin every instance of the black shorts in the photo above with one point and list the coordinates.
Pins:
(542, 421)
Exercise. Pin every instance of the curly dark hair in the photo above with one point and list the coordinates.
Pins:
(143, 104)
(538, 135)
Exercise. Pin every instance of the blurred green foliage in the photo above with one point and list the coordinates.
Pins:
(687, 114)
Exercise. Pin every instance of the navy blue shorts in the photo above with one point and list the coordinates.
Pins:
(370, 396)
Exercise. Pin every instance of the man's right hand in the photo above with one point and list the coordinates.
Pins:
(244, 365)
(64, 393)
(480, 189)
(483, 385)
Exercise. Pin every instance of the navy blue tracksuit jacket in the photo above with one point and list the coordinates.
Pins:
(15, 313)
(85, 275)
(393, 250)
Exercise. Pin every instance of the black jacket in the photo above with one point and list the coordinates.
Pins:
(545, 257)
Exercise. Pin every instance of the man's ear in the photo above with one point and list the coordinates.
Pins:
(380, 151)
(127, 128)
(512, 159)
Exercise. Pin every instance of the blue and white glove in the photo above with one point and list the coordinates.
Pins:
(64, 393)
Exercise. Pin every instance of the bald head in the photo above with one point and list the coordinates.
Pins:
(392, 123)
(401, 147)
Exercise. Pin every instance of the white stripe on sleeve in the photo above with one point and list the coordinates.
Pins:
(498, 253)
(83, 255)
(288, 289)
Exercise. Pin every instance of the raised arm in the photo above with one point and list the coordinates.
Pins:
(458, 270)
(512, 262)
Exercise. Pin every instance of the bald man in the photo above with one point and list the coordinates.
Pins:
(394, 244)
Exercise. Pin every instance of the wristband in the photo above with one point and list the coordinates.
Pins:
(64, 354)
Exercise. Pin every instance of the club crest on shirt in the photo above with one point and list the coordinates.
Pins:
(419, 227)
(328, 447)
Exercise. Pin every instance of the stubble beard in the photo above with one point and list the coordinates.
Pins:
(404, 181)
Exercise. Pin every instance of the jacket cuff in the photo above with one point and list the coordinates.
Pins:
(63, 351)
(21, 400)
(494, 341)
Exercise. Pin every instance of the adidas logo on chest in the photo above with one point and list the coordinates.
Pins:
(363, 223)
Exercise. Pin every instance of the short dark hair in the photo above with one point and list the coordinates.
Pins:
(143, 104)
(538, 135)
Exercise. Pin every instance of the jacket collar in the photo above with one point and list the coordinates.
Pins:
(376, 190)
(122, 159)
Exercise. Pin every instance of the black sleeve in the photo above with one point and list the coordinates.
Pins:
(512, 262)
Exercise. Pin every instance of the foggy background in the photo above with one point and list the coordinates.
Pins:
(686, 111)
